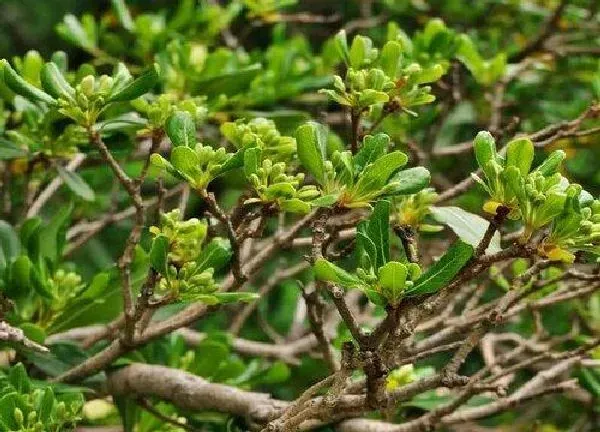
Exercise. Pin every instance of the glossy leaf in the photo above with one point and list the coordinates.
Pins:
(159, 254)
(519, 153)
(443, 271)
(409, 181)
(21, 87)
(139, 86)
(181, 129)
(312, 149)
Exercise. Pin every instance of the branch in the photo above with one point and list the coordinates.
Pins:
(15, 335)
(537, 44)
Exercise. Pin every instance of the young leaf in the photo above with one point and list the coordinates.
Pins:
(181, 129)
(389, 59)
(360, 51)
(21, 87)
(469, 227)
(519, 153)
(159, 254)
(55, 83)
(252, 157)
(485, 149)
(408, 181)
(329, 272)
(141, 85)
(392, 279)
(341, 43)
(443, 271)
(552, 163)
(312, 149)
(185, 160)
(214, 255)
(294, 205)
(373, 148)
(76, 184)
(18, 378)
(376, 175)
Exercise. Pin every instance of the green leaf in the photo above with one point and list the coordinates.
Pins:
(185, 160)
(311, 139)
(341, 44)
(519, 153)
(390, 57)
(469, 227)
(21, 87)
(252, 158)
(141, 85)
(325, 200)
(210, 354)
(18, 378)
(72, 30)
(485, 149)
(376, 175)
(443, 271)
(373, 148)
(123, 14)
(234, 297)
(159, 254)
(552, 163)
(129, 412)
(360, 51)
(9, 244)
(20, 272)
(408, 181)
(55, 84)
(46, 404)
(9, 150)
(214, 255)
(329, 272)
(52, 237)
(230, 83)
(76, 184)
(181, 129)
(378, 231)
(392, 280)
(295, 205)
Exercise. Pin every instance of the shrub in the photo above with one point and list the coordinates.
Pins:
(203, 231)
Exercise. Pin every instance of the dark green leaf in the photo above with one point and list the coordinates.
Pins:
(443, 271)
(21, 87)
(141, 85)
